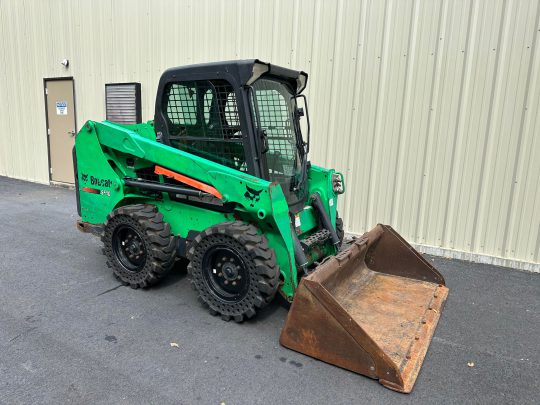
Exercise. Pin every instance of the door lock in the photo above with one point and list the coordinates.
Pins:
(72, 133)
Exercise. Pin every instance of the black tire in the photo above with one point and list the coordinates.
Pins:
(339, 229)
(138, 245)
(245, 251)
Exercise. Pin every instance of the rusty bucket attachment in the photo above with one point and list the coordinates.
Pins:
(372, 309)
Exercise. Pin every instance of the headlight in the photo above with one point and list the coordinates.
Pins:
(337, 183)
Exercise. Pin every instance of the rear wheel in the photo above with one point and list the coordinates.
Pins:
(138, 245)
(233, 270)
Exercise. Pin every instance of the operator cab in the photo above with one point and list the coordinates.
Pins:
(244, 114)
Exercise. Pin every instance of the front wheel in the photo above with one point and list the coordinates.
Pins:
(233, 270)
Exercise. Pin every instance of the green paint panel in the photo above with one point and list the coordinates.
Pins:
(108, 152)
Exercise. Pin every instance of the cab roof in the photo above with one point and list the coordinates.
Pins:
(244, 71)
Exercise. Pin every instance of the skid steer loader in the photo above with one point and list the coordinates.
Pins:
(221, 177)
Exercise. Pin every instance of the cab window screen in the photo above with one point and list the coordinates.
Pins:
(275, 110)
(202, 118)
(182, 104)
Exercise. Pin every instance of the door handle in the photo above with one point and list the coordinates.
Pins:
(72, 133)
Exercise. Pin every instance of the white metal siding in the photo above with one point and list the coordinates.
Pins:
(430, 108)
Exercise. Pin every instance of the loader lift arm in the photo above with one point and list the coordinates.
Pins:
(139, 142)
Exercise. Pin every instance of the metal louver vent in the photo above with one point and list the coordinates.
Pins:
(123, 102)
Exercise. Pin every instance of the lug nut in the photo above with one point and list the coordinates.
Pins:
(226, 282)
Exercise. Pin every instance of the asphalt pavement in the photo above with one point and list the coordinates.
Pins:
(70, 333)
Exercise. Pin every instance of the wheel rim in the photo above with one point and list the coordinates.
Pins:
(225, 273)
(129, 248)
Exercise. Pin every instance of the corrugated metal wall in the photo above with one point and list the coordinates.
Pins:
(430, 108)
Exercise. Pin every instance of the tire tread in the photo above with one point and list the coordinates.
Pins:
(265, 268)
(160, 244)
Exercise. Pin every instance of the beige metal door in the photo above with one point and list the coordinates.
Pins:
(60, 128)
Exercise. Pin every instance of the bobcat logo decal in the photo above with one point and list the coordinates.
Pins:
(84, 177)
(253, 195)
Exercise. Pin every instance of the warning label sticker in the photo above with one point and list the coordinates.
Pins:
(61, 108)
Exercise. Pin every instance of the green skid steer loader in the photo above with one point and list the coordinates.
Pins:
(222, 177)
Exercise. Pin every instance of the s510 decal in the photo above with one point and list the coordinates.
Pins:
(96, 181)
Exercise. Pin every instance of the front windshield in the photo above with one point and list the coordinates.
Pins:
(275, 107)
